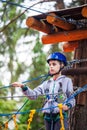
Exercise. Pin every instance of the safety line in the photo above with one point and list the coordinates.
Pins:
(78, 91)
(13, 3)
(33, 79)
(26, 96)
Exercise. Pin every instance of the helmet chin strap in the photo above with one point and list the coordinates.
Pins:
(56, 72)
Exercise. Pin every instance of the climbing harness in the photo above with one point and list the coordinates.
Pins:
(32, 112)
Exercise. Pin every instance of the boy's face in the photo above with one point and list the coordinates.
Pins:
(54, 66)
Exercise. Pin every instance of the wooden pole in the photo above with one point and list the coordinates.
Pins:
(40, 25)
(70, 46)
(73, 71)
(60, 22)
(84, 12)
(65, 36)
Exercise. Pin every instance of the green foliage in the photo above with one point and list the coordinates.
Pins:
(22, 126)
(7, 106)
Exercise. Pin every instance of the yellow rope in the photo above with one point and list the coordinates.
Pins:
(6, 126)
(14, 119)
(32, 112)
(61, 116)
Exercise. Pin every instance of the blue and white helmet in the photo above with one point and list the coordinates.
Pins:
(57, 56)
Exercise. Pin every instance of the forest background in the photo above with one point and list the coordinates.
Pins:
(23, 57)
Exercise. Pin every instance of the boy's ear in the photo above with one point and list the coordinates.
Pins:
(62, 64)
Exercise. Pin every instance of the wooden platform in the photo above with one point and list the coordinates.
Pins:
(65, 25)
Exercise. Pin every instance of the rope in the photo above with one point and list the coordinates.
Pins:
(33, 79)
(6, 126)
(16, 4)
(78, 91)
(76, 61)
(14, 119)
(32, 112)
(19, 5)
(61, 116)
(16, 112)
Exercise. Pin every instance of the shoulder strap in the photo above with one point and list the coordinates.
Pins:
(60, 87)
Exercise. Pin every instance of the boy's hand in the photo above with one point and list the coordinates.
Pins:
(17, 84)
(65, 107)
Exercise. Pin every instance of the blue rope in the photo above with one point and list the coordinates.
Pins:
(27, 81)
(78, 91)
(38, 110)
(12, 3)
(13, 113)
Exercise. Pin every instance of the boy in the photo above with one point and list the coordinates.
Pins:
(57, 90)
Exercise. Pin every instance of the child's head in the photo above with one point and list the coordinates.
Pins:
(56, 62)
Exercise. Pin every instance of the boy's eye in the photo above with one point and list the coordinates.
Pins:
(53, 64)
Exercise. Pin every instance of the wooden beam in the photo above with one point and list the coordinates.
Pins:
(59, 22)
(75, 71)
(40, 25)
(65, 36)
(70, 46)
(84, 12)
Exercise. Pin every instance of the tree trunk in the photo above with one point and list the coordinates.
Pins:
(79, 114)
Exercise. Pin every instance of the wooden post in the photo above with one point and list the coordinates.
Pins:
(70, 46)
(84, 12)
(75, 71)
(65, 36)
(82, 54)
(40, 25)
(60, 22)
